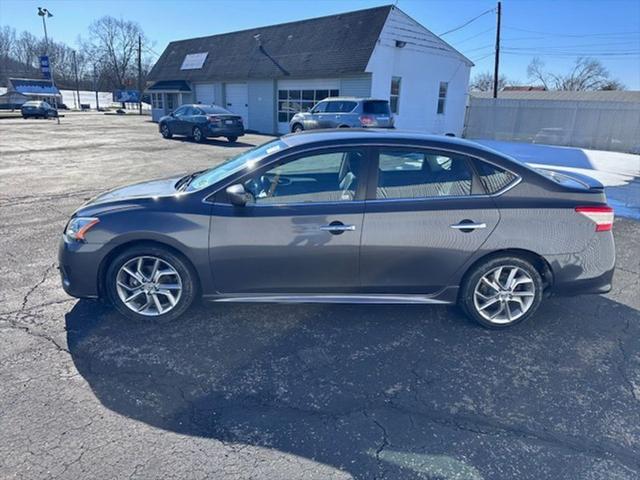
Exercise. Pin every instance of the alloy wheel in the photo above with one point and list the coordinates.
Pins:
(197, 134)
(149, 285)
(504, 294)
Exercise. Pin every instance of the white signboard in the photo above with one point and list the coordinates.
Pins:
(194, 61)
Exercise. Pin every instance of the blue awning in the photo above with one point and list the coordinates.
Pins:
(28, 86)
(170, 86)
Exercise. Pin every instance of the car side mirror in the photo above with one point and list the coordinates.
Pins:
(237, 195)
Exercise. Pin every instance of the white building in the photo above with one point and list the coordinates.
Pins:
(268, 74)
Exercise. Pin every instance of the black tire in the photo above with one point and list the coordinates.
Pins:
(232, 139)
(297, 128)
(165, 131)
(179, 264)
(466, 298)
(197, 135)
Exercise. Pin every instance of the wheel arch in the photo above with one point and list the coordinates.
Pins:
(118, 249)
(538, 261)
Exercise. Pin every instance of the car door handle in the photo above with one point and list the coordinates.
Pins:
(468, 226)
(337, 228)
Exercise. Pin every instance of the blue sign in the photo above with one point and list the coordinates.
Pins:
(45, 69)
(126, 96)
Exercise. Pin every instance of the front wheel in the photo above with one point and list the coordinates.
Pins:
(165, 131)
(297, 128)
(198, 136)
(501, 292)
(150, 283)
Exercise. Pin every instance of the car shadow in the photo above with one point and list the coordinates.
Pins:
(401, 391)
(218, 143)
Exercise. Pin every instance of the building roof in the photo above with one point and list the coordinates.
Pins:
(29, 86)
(170, 85)
(561, 95)
(326, 46)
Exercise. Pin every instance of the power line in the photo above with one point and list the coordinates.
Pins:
(573, 34)
(474, 36)
(491, 10)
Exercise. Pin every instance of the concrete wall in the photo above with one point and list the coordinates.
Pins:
(422, 64)
(598, 125)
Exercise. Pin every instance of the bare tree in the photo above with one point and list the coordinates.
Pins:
(115, 42)
(483, 82)
(586, 74)
(7, 41)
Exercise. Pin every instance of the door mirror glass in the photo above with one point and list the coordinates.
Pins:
(237, 195)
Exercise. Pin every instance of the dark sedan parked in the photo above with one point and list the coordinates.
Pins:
(37, 109)
(346, 216)
(202, 121)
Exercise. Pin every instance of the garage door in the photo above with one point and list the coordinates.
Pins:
(238, 100)
(205, 93)
(301, 95)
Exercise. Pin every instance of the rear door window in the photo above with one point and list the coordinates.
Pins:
(408, 173)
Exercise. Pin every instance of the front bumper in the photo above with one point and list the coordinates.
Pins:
(79, 265)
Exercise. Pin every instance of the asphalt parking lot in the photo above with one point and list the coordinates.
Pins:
(283, 391)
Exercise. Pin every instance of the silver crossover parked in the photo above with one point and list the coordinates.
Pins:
(346, 216)
(344, 112)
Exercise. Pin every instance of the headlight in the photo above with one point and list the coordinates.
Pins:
(78, 227)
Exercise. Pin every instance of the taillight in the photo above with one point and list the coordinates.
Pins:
(601, 216)
(367, 120)
(215, 121)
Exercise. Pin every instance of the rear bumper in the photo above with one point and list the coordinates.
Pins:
(233, 131)
(590, 271)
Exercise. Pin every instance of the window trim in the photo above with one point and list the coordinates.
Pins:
(443, 99)
(397, 96)
(359, 197)
(370, 174)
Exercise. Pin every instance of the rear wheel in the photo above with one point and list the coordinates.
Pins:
(197, 134)
(232, 139)
(150, 283)
(165, 131)
(501, 292)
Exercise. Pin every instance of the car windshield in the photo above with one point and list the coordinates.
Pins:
(212, 109)
(235, 164)
(379, 107)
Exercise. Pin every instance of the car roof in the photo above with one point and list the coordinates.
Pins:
(372, 135)
(355, 99)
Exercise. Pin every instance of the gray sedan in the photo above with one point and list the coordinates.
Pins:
(352, 216)
(201, 122)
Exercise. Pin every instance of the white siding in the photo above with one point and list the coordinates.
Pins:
(422, 64)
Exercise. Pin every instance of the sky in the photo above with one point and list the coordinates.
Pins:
(557, 31)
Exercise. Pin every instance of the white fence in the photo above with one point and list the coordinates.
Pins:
(597, 125)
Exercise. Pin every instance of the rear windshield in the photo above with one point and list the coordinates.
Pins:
(212, 109)
(378, 107)
(32, 103)
(564, 180)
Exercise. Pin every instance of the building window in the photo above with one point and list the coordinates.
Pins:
(394, 97)
(156, 100)
(291, 102)
(442, 96)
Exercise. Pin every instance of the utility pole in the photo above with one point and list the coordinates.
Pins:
(95, 86)
(496, 64)
(140, 73)
(75, 67)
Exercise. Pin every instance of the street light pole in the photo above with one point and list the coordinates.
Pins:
(44, 13)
